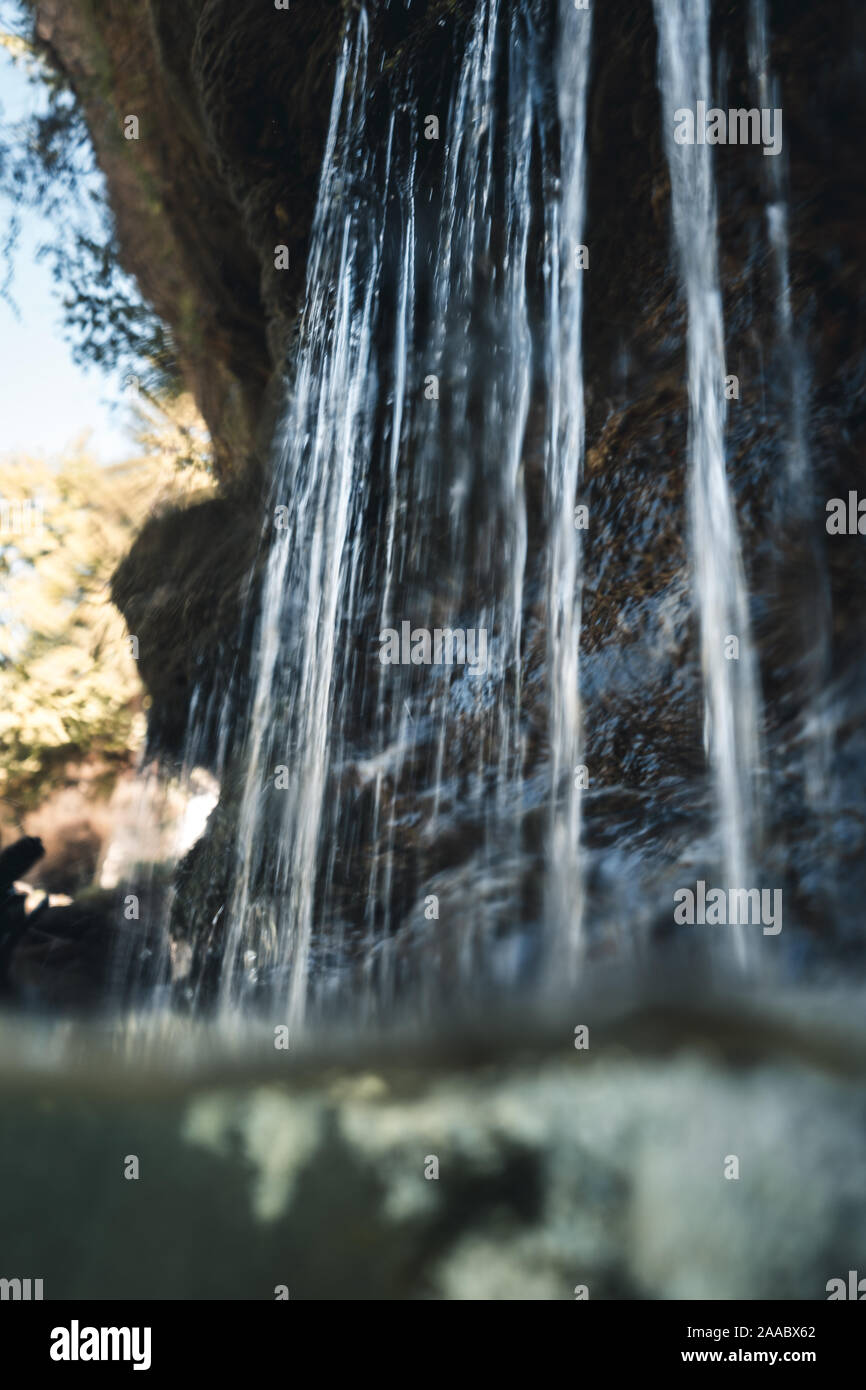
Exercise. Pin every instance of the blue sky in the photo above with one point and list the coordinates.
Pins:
(46, 401)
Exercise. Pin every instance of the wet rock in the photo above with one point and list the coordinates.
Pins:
(191, 573)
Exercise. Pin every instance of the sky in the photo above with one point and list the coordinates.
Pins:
(46, 400)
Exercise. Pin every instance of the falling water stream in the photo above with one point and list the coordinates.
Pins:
(730, 685)
(798, 489)
(320, 485)
(564, 459)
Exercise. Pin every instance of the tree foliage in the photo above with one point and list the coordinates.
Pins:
(48, 166)
(69, 684)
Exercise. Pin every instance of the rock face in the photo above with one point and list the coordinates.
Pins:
(233, 102)
(676, 1158)
(179, 232)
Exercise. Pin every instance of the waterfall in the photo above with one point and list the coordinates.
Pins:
(564, 456)
(798, 487)
(318, 486)
(398, 500)
(730, 685)
(404, 812)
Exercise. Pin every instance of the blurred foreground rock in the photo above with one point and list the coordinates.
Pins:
(557, 1167)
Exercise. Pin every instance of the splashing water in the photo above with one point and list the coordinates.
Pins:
(157, 820)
